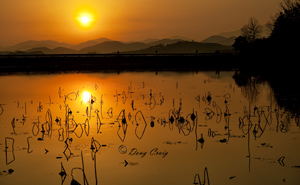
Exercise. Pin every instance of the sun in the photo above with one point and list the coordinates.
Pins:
(85, 19)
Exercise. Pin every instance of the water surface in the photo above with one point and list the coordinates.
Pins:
(144, 128)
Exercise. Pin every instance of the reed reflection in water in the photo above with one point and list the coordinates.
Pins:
(144, 128)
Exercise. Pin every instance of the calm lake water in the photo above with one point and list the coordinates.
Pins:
(144, 128)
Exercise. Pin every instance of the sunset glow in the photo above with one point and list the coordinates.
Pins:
(74, 22)
(151, 92)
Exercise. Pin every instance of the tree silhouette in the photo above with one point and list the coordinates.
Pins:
(249, 34)
(275, 59)
(286, 26)
(252, 30)
(241, 44)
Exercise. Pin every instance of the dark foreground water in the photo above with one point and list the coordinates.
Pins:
(144, 128)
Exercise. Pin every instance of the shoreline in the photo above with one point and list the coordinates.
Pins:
(119, 62)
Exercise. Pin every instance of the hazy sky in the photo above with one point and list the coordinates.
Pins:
(125, 20)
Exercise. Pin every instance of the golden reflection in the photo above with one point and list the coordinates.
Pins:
(141, 122)
(86, 96)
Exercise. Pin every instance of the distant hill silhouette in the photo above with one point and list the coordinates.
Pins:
(164, 42)
(237, 33)
(184, 47)
(24, 46)
(229, 34)
(170, 40)
(114, 46)
(180, 38)
(44, 50)
(228, 41)
(90, 43)
(105, 45)
(58, 50)
(220, 40)
(26, 53)
(149, 40)
(63, 50)
(4, 52)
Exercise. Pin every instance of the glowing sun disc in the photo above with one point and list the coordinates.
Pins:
(85, 19)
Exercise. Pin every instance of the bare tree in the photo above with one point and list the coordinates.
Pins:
(252, 30)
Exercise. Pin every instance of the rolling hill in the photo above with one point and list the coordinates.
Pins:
(113, 47)
(27, 45)
(136, 48)
(184, 47)
(24, 46)
(105, 45)
(220, 40)
(149, 40)
(164, 42)
(58, 50)
(90, 43)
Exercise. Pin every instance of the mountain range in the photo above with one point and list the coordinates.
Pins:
(105, 45)
(114, 46)
(184, 47)
(222, 41)
(24, 46)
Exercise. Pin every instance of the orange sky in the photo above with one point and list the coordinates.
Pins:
(126, 20)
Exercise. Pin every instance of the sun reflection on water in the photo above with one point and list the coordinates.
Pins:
(133, 123)
(86, 96)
